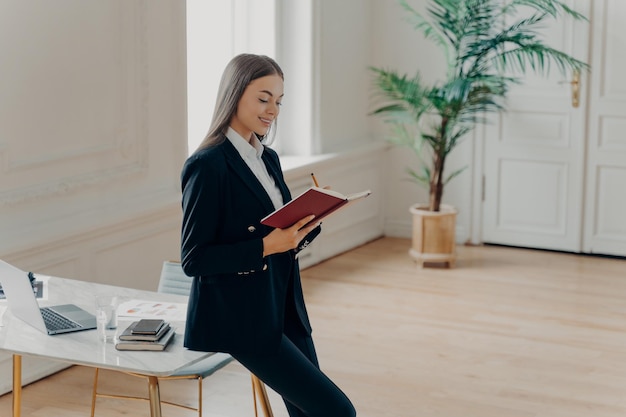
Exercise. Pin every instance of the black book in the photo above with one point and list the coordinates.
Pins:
(128, 333)
(148, 326)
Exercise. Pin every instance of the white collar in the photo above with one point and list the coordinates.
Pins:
(252, 149)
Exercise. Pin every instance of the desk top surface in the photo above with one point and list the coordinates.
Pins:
(83, 348)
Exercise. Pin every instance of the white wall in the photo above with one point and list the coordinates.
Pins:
(343, 36)
(92, 139)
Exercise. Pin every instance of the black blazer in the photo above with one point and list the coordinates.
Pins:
(238, 298)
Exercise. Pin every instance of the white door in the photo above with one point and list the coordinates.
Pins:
(605, 197)
(534, 157)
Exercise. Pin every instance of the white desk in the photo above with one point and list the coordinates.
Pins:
(83, 348)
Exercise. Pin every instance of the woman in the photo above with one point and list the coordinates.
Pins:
(246, 297)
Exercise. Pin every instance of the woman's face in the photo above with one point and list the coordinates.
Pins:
(258, 107)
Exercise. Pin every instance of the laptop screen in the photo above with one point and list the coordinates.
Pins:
(20, 296)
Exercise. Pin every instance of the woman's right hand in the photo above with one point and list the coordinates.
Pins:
(282, 240)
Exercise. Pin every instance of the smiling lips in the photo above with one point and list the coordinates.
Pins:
(266, 122)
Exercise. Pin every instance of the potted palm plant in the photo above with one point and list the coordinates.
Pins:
(488, 46)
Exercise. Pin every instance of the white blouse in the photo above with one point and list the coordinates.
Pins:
(251, 154)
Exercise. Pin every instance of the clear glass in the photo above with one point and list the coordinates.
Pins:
(106, 316)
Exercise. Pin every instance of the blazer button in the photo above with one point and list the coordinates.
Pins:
(251, 229)
(265, 267)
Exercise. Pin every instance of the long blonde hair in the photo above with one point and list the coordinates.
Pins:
(240, 71)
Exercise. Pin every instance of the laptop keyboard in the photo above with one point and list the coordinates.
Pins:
(55, 321)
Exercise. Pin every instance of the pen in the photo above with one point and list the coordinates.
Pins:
(314, 180)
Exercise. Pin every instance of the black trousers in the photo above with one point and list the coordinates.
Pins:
(293, 372)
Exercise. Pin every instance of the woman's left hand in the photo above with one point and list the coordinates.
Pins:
(282, 240)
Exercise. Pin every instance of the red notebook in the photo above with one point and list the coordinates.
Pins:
(315, 200)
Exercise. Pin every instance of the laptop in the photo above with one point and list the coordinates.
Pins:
(22, 301)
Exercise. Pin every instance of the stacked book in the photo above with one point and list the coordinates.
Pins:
(146, 334)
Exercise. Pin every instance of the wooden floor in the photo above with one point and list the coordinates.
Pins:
(507, 333)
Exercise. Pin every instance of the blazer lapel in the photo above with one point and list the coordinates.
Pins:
(240, 168)
(274, 170)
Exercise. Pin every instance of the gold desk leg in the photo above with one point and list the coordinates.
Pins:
(256, 409)
(17, 385)
(261, 392)
(155, 396)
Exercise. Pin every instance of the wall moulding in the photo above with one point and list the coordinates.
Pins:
(129, 228)
(56, 138)
(67, 186)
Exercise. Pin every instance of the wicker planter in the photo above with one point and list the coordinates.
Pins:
(433, 235)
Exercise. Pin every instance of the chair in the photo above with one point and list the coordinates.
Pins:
(174, 281)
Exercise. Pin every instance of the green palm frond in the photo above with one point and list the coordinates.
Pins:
(403, 134)
(480, 26)
(481, 49)
(552, 7)
(455, 137)
(454, 174)
(399, 93)
(539, 58)
(436, 31)
(420, 177)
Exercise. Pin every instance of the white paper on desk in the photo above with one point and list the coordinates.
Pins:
(145, 309)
